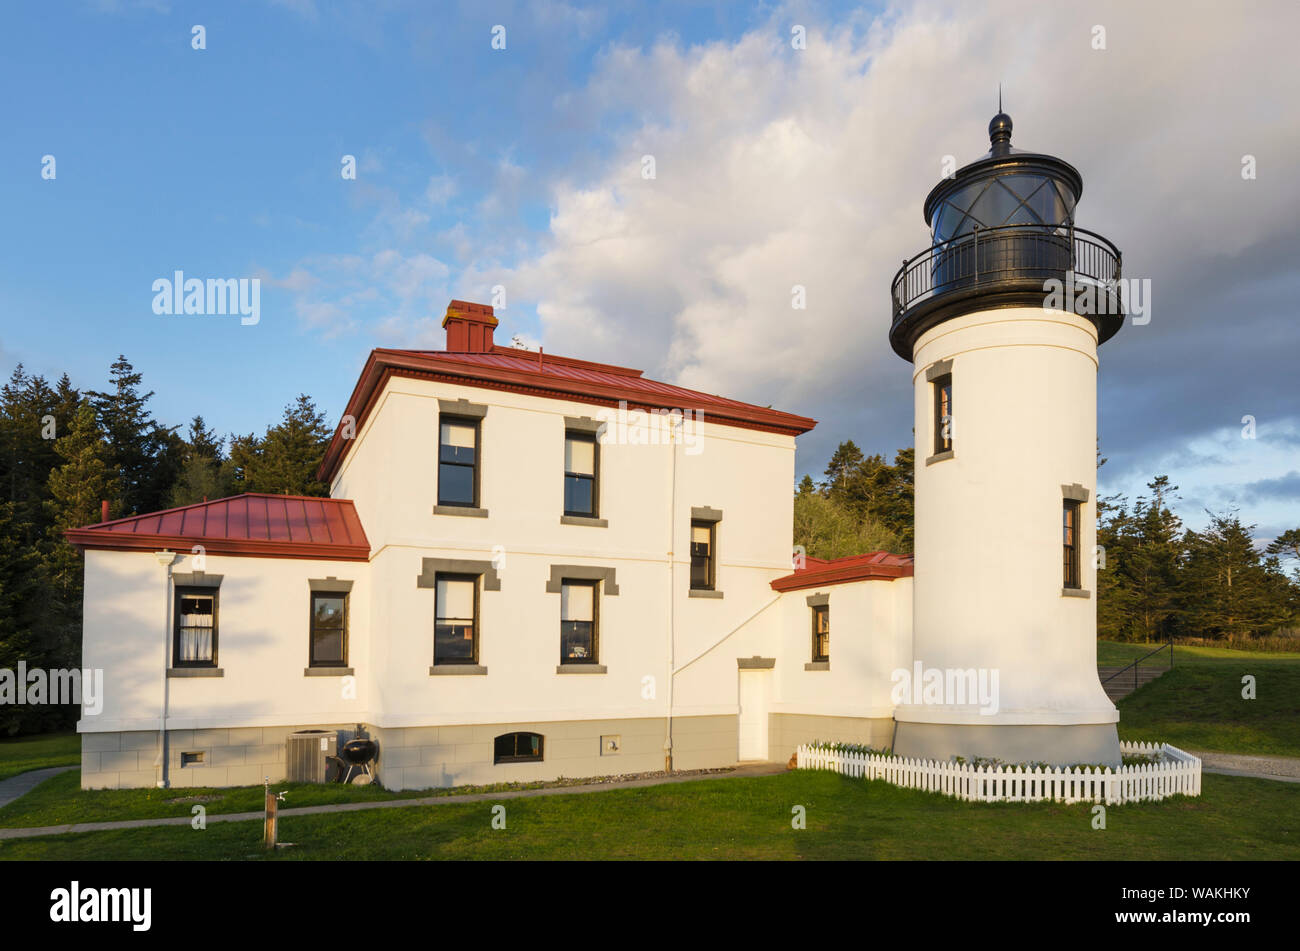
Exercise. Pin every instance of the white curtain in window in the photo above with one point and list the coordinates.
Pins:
(577, 602)
(455, 599)
(580, 456)
(196, 644)
(458, 435)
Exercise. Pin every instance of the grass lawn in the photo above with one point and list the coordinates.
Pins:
(22, 753)
(745, 818)
(1198, 705)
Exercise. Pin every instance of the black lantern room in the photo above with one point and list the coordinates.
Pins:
(1001, 228)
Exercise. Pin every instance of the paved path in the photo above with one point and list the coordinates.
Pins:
(757, 769)
(23, 783)
(1284, 769)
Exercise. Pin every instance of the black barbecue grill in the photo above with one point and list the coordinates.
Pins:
(358, 754)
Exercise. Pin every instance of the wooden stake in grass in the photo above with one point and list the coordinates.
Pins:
(269, 830)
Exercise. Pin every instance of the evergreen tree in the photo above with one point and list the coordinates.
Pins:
(77, 488)
(285, 460)
(1154, 557)
(1234, 593)
(134, 438)
(844, 462)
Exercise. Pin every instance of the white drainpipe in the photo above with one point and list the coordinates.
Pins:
(672, 599)
(166, 559)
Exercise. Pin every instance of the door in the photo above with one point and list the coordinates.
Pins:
(754, 686)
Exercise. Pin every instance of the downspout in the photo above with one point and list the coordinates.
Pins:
(165, 560)
(672, 596)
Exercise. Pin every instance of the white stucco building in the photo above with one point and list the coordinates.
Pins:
(530, 566)
(534, 566)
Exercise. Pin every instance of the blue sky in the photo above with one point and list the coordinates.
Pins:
(520, 167)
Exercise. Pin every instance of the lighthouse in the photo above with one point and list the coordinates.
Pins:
(1001, 319)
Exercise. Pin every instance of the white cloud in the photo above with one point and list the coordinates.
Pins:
(777, 168)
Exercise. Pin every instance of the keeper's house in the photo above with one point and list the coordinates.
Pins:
(530, 566)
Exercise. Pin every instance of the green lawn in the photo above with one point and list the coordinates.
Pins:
(746, 818)
(1198, 705)
(22, 753)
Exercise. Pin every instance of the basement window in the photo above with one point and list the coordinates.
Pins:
(191, 759)
(517, 748)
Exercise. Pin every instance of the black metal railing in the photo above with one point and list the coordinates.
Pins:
(1134, 665)
(1024, 253)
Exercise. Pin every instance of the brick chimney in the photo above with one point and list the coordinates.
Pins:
(469, 327)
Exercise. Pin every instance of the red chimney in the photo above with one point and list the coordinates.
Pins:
(103, 510)
(469, 327)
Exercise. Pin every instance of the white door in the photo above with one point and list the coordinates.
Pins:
(753, 714)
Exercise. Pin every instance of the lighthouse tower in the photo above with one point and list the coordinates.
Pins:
(1001, 319)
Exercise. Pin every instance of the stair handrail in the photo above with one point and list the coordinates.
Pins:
(1169, 644)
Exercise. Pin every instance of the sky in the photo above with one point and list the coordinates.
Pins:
(521, 167)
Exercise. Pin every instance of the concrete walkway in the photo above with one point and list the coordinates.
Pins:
(23, 783)
(757, 769)
(1284, 769)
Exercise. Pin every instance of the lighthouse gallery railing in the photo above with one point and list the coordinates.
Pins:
(1008, 254)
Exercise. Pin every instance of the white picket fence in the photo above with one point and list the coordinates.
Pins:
(1176, 773)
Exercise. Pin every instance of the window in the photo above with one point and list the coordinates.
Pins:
(1070, 537)
(943, 413)
(517, 748)
(458, 462)
(578, 629)
(580, 485)
(821, 633)
(195, 644)
(329, 629)
(455, 632)
(702, 563)
(192, 759)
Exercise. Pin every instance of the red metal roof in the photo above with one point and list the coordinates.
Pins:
(543, 374)
(268, 526)
(818, 572)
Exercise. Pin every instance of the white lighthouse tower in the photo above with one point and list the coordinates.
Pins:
(1005, 388)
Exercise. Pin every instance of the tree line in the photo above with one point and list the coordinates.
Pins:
(1156, 579)
(64, 451)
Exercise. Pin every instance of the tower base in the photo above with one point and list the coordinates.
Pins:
(1060, 745)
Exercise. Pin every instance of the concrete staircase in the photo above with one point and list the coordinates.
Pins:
(1122, 685)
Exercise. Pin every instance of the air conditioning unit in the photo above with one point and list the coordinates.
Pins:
(306, 755)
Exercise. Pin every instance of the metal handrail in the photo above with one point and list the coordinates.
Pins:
(1134, 664)
(1034, 250)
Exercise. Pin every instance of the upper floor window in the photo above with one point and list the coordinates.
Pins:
(1070, 542)
(578, 623)
(458, 462)
(581, 496)
(517, 748)
(455, 632)
(329, 629)
(703, 566)
(195, 643)
(943, 413)
(821, 633)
